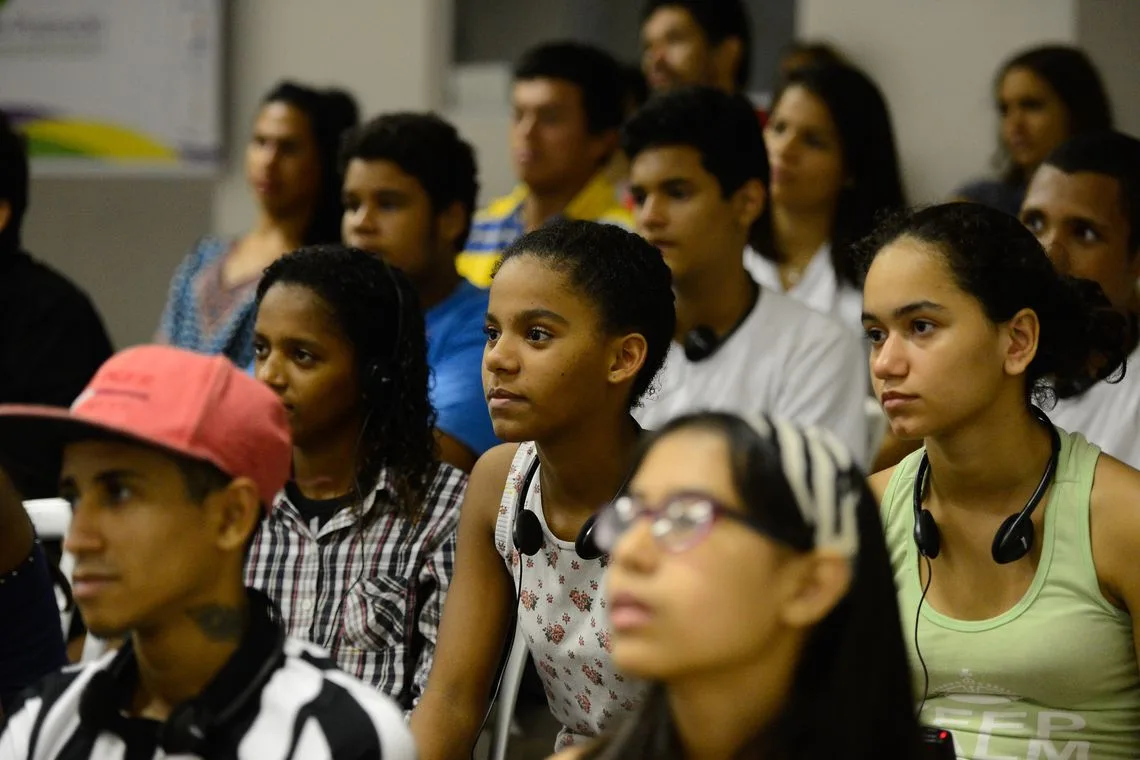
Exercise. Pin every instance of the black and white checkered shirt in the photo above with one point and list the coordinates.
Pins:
(276, 698)
(371, 593)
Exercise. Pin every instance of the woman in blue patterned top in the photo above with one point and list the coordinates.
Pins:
(291, 166)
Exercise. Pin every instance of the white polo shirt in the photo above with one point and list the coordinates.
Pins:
(785, 360)
(1107, 414)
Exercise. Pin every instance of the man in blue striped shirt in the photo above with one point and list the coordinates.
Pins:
(169, 460)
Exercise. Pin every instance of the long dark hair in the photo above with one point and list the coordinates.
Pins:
(1072, 75)
(995, 259)
(852, 675)
(870, 161)
(330, 113)
(386, 329)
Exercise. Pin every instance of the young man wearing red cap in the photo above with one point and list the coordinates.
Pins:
(169, 460)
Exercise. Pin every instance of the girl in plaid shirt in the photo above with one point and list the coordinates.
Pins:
(359, 551)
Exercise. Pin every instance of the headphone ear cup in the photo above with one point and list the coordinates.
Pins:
(585, 545)
(528, 533)
(1013, 540)
(926, 535)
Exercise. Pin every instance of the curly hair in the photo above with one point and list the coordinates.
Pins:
(378, 312)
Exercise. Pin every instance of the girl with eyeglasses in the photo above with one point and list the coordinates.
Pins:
(579, 322)
(750, 586)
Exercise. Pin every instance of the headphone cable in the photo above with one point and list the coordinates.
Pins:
(917, 648)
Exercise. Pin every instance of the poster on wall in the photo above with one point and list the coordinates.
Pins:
(115, 86)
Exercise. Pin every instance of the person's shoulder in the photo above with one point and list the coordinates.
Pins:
(49, 286)
(445, 493)
(879, 481)
(463, 311)
(205, 251)
(495, 463)
(501, 207)
(63, 685)
(1115, 491)
(781, 313)
(1115, 528)
(618, 216)
(351, 713)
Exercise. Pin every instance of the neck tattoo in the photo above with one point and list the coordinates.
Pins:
(218, 622)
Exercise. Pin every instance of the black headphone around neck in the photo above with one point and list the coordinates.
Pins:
(380, 376)
(190, 727)
(1014, 538)
(702, 342)
(528, 536)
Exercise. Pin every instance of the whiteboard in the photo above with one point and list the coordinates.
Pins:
(115, 86)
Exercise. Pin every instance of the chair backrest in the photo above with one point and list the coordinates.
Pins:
(51, 518)
(508, 695)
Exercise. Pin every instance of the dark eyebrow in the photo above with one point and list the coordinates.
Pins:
(68, 484)
(669, 183)
(532, 315)
(910, 308)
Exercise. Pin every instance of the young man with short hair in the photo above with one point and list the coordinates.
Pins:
(1083, 204)
(169, 460)
(696, 42)
(568, 101)
(410, 183)
(697, 175)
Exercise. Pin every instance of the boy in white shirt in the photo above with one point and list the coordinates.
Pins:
(1083, 204)
(698, 175)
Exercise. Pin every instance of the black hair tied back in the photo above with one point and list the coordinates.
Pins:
(1083, 341)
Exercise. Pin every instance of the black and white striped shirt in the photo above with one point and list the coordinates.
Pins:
(306, 710)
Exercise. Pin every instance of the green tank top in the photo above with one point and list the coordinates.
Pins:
(1055, 676)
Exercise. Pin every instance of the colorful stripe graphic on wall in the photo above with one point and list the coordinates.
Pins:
(52, 135)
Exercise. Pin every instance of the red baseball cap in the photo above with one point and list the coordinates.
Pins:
(197, 406)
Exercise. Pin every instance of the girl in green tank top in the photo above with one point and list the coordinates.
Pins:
(1019, 590)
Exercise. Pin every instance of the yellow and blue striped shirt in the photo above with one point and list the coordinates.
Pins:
(501, 223)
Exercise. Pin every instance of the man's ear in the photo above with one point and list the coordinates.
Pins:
(5, 214)
(602, 146)
(726, 60)
(450, 223)
(748, 203)
(236, 511)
